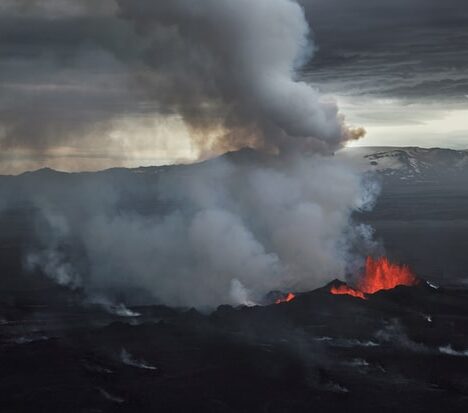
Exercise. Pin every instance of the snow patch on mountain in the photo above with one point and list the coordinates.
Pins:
(409, 163)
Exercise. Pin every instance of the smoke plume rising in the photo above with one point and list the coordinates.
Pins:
(233, 65)
(85, 84)
(234, 228)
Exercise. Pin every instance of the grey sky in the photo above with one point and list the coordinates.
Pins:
(398, 67)
(77, 80)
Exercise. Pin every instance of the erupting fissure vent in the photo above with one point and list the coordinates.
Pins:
(380, 274)
(285, 299)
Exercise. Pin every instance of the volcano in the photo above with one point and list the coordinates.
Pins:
(380, 274)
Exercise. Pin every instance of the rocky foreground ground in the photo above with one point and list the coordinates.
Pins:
(400, 350)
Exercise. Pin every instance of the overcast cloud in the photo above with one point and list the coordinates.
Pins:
(71, 72)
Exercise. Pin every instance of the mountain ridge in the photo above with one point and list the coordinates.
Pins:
(373, 158)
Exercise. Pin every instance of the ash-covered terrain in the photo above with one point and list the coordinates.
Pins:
(403, 349)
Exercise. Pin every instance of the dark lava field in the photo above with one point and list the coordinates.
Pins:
(404, 350)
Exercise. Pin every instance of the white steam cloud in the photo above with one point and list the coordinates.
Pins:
(53, 261)
(217, 232)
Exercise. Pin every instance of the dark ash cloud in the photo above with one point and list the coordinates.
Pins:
(67, 72)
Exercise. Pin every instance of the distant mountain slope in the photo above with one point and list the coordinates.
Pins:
(417, 183)
(421, 215)
(404, 163)
(411, 163)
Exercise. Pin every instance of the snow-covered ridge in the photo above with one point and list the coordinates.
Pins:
(406, 163)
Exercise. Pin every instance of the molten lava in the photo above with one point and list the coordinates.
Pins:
(285, 299)
(344, 289)
(380, 274)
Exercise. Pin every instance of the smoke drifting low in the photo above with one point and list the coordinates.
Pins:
(219, 232)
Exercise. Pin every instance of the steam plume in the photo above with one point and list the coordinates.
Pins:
(232, 229)
(224, 231)
(233, 65)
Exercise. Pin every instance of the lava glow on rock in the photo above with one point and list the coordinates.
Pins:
(380, 274)
(344, 289)
(285, 299)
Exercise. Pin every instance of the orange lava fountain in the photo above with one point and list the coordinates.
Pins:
(286, 299)
(380, 274)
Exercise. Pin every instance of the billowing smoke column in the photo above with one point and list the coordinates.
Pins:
(233, 64)
(228, 230)
(231, 229)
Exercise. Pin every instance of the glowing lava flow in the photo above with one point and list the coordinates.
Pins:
(380, 274)
(344, 289)
(286, 299)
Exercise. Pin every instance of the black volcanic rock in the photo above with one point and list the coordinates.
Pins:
(319, 352)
